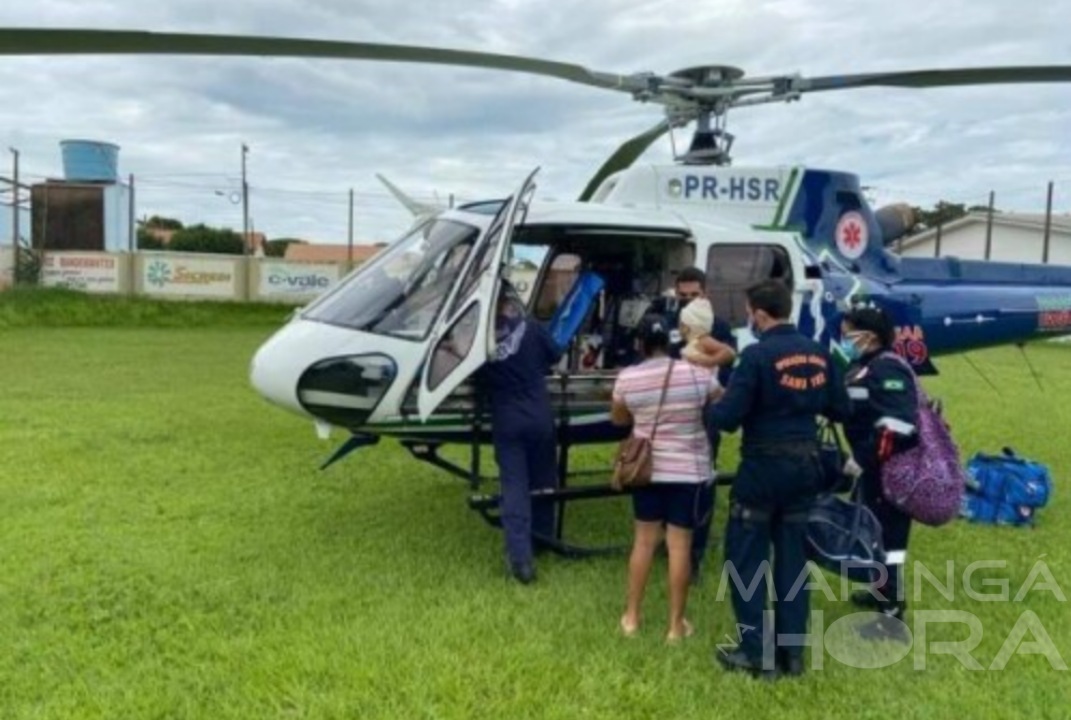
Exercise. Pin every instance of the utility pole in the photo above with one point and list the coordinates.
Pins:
(245, 204)
(132, 242)
(15, 216)
(1048, 226)
(989, 228)
(349, 238)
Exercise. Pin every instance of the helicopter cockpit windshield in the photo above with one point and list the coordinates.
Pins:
(404, 289)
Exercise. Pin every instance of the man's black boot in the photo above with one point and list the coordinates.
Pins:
(524, 572)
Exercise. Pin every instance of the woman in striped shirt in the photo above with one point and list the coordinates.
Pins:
(681, 465)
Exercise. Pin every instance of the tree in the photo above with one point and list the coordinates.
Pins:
(940, 214)
(203, 239)
(945, 212)
(148, 240)
(163, 223)
(277, 248)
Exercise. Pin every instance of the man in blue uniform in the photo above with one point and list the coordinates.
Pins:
(779, 387)
(522, 427)
(691, 285)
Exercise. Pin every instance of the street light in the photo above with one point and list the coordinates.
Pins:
(235, 197)
(245, 203)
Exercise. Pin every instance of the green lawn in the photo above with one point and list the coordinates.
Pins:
(169, 549)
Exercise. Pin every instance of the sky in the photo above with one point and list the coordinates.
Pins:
(318, 128)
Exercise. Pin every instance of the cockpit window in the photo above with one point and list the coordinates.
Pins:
(404, 289)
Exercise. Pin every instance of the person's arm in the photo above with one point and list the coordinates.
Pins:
(839, 405)
(722, 333)
(551, 351)
(728, 414)
(714, 354)
(894, 397)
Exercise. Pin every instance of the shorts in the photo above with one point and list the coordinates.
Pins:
(675, 504)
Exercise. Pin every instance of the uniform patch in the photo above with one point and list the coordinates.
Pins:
(893, 384)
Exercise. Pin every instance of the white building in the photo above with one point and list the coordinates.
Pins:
(1016, 237)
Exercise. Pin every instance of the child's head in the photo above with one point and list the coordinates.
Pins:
(696, 318)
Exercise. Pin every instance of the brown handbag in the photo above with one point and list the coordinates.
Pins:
(634, 463)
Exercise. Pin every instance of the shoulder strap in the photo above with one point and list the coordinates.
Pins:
(662, 400)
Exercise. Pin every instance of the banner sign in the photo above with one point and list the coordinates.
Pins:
(296, 280)
(189, 276)
(91, 272)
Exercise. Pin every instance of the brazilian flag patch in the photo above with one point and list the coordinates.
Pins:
(893, 384)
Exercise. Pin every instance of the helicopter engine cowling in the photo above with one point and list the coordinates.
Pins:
(895, 221)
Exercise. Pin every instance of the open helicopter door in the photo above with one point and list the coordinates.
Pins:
(463, 338)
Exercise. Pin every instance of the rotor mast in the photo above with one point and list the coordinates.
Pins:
(705, 94)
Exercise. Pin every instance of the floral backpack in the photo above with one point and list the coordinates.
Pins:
(927, 481)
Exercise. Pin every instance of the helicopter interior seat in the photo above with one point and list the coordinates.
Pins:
(738, 268)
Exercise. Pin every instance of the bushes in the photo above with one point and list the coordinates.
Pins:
(203, 239)
(148, 240)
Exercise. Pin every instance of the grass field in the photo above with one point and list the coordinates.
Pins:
(169, 550)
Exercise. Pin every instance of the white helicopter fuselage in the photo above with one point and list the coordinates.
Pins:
(390, 349)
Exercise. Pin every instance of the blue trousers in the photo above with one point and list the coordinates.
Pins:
(769, 502)
(527, 461)
(895, 529)
(701, 532)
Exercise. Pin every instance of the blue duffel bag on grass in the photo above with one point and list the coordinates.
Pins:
(1005, 489)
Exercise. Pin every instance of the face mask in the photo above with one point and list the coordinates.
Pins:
(850, 349)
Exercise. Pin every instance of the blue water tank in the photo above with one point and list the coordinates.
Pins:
(90, 161)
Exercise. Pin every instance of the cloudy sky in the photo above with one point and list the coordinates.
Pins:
(318, 128)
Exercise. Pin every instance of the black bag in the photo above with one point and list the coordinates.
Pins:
(844, 536)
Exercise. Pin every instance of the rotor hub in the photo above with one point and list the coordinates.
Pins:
(709, 75)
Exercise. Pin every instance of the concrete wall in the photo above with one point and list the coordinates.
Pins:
(276, 280)
(187, 276)
(1010, 244)
(201, 276)
(96, 272)
(117, 218)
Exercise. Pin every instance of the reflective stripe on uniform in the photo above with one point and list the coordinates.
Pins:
(896, 557)
(897, 426)
(858, 393)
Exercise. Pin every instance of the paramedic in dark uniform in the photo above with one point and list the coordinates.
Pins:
(779, 387)
(691, 284)
(522, 427)
(882, 422)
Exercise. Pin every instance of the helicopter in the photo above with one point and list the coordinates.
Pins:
(390, 350)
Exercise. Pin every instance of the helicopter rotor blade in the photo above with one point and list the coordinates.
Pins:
(940, 78)
(624, 156)
(41, 41)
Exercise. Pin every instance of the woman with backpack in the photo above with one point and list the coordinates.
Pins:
(883, 422)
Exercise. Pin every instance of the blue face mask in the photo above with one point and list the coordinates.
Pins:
(850, 349)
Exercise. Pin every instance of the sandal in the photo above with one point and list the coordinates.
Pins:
(627, 629)
(689, 630)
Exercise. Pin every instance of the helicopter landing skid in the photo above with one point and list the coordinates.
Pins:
(485, 505)
(429, 453)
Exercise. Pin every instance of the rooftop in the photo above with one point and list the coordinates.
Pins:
(1061, 223)
(329, 252)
